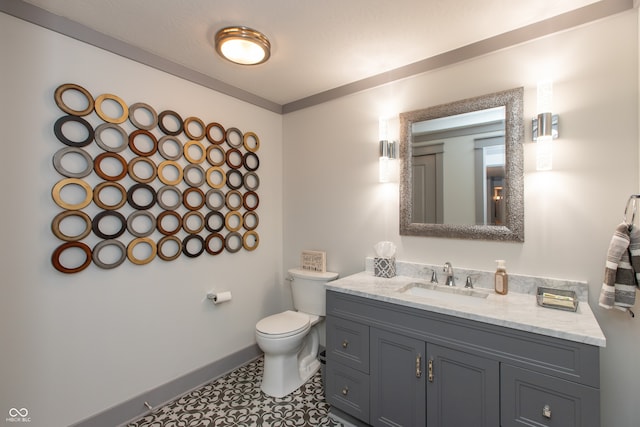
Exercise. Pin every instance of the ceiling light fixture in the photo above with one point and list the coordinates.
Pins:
(243, 45)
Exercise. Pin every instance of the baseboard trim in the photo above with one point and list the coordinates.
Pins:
(135, 408)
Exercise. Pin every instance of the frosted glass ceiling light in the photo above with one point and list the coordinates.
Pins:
(243, 45)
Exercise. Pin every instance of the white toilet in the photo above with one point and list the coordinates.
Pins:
(290, 339)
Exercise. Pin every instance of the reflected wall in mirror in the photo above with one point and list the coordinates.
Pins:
(462, 169)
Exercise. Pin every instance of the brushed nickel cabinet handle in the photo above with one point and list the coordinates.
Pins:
(419, 366)
(430, 371)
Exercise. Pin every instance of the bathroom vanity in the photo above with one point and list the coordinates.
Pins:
(413, 359)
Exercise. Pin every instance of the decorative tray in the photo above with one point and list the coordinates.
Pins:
(557, 298)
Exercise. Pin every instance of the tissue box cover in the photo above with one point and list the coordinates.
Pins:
(384, 267)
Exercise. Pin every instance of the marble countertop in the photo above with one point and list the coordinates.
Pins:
(514, 310)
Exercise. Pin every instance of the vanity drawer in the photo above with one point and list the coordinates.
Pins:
(532, 399)
(348, 390)
(348, 343)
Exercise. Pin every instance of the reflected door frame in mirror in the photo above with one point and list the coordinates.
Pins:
(513, 228)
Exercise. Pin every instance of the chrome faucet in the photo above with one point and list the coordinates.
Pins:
(448, 268)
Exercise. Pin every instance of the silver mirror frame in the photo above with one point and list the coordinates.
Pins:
(513, 230)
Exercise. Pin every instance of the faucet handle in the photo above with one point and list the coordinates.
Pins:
(468, 284)
(434, 277)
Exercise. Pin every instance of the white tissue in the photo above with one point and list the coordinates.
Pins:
(385, 249)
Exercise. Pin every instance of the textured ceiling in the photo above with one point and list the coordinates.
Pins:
(316, 45)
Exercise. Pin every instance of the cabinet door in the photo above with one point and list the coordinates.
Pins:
(533, 399)
(463, 390)
(397, 380)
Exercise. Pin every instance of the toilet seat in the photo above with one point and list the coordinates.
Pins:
(283, 324)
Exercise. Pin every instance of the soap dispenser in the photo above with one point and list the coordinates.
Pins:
(501, 278)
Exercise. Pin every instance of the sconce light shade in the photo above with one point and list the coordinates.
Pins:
(545, 127)
(243, 45)
(387, 152)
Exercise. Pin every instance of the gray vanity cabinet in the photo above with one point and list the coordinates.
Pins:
(392, 365)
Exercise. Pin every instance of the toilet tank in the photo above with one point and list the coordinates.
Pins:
(308, 289)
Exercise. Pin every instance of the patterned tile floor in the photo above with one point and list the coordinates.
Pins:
(236, 400)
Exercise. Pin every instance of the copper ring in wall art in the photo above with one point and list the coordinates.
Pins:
(251, 136)
(103, 244)
(123, 137)
(247, 236)
(251, 181)
(219, 172)
(142, 106)
(168, 138)
(164, 128)
(160, 223)
(165, 180)
(138, 178)
(141, 233)
(97, 166)
(235, 180)
(57, 220)
(187, 227)
(162, 242)
(234, 158)
(55, 257)
(220, 128)
(185, 198)
(210, 151)
(137, 241)
(250, 220)
(95, 225)
(229, 242)
(199, 123)
(141, 187)
(246, 200)
(57, 130)
(210, 195)
(134, 147)
(60, 90)
(187, 152)
(251, 161)
(207, 243)
(108, 96)
(234, 137)
(109, 184)
(233, 200)
(161, 201)
(220, 219)
(57, 188)
(187, 175)
(228, 218)
(57, 162)
(185, 245)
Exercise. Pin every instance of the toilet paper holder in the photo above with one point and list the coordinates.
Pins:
(219, 297)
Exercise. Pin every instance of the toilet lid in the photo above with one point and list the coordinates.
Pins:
(285, 323)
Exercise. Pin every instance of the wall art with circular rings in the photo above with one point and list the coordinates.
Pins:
(138, 184)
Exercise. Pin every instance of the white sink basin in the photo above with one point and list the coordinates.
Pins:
(445, 293)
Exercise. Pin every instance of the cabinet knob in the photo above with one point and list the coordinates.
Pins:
(345, 390)
(546, 411)
(345, 344)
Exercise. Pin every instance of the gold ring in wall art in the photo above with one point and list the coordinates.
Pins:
(246, 141)
(109, 184)
(57, 220)
(246, 237)
(138, 241)
(229, 218)
(108, 96)
(218, 171)
(199, 123)
(60, 90)
(170, 163)
(187, 152)
(57, 188)
(57, 264)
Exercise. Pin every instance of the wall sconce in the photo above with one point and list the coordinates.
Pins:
(388, 152)
(545, 127)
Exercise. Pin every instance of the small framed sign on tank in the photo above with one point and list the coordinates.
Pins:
(314, 261)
